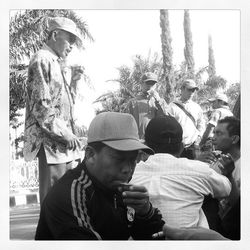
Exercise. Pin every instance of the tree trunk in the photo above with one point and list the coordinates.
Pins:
(211, 60)
(188, 50)
(167, 54)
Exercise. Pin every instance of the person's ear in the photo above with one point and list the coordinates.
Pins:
(54, 35)
(235, 139)
(90, 155)
(181, 148)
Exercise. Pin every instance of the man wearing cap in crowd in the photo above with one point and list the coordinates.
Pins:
(147, 104)
(220, 111)
(176, 186)
(190, 116)
(94, 200)
(49, 123)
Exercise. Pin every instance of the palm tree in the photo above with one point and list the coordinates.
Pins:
(130, 80)
(188, 50)
(211, 60)
(167, 55)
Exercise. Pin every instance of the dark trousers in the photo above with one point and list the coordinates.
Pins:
(230, 224)
(49, 174)
(210, 208)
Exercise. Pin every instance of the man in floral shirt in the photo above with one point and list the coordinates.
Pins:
(49, 123)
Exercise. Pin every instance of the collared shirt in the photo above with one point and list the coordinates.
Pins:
(143, 111)
(49, 109)
(191, 131)
(177, 187)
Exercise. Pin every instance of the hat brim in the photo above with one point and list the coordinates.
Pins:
(196, 88)
(151, 80)
(128, 145)
(76, 34)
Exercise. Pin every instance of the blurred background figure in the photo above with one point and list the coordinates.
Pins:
(147, 104)
(220, 110)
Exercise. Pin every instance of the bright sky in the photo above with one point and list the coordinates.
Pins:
(121, 34)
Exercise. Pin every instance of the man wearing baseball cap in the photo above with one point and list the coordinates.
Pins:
(147, 104)
(177, 186)
(94, 200)
(220, 111)
(49, 123)
(190, 116)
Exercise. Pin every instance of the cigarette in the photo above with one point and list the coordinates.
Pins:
(158, 235)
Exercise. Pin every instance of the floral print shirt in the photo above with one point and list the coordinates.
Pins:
(49, 109)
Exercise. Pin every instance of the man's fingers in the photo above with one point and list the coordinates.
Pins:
(135, 195)
(136, 188)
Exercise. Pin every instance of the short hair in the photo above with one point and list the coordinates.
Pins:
(167, 148)
(233, 126)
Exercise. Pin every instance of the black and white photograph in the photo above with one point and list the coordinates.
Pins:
(124, 124)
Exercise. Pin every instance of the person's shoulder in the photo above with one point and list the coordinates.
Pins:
(173, 104)
(42, 55)
(199, 166)
(62, 189)
(194, 103)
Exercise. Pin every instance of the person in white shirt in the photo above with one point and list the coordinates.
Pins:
(190, 116)
(220, 111)
(176, 186)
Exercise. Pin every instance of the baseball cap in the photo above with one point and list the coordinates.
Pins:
(116, 130)
(190, 84)
(219, 96)
(163, 130)
(66, 24)
(149, 76)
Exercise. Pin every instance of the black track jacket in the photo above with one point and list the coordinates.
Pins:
(78, 207)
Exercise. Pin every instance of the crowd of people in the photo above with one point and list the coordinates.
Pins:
(156, 172)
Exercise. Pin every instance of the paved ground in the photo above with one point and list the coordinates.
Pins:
(23, 222)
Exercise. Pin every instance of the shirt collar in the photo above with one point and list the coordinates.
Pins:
(181, 102)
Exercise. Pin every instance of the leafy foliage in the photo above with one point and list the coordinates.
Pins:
(130, 80)
(18, 77)
(233, 92)
(210, 87)
(29, 30)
